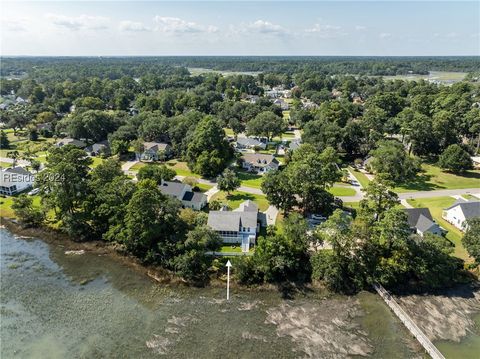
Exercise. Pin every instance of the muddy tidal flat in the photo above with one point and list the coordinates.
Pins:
(60, 304)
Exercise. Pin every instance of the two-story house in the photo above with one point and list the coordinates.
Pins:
(460, 212)
(259, 162)
(151, 151)
(239, 226)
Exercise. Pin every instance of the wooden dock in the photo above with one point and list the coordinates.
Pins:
(409, 323)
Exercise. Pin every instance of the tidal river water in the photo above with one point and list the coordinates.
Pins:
(58, 305)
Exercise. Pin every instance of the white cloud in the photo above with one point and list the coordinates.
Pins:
(180, 26)
(17, 25)
(451, 35)
(385, 35)
(79, 22)
(360, 28)
(326, 31)
(266, 27)
(133, 26)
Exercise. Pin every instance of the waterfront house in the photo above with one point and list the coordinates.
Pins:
(238, 226)
(15, 180)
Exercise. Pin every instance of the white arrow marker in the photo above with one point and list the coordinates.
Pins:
(228, 279)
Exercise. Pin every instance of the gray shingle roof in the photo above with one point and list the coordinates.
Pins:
(96, 147)
(198, 197)
(259, 159)
(247, 206)
(470, 209)
(155, 146)
(420, 218)
(171, 188)
(247, 141)
(245, 216)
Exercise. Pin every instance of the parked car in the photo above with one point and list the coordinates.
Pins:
(318, 217)
(34, 191)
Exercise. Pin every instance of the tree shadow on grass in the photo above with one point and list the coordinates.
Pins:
(420, 183)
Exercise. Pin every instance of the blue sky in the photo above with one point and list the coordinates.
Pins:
(384, 28)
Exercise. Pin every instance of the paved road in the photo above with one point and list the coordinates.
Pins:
(19, 162)
(438, 193)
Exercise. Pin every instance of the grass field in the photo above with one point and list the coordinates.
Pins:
(203, 187)
(96, 161)
(231, 249)
(228, 131)
(433, 178)
(237, 197)
(355, 205)
(361, 178)
(180, 168)
(340, 191)
(6, 206)
(436, 205)
(249, 179)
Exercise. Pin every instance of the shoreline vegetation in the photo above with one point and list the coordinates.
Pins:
(155, 273)
(456, 305)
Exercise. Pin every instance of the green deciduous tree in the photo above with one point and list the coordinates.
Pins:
(156, 173)
(4, 142)
(266, 124)
(471, 239)
(228, 181)
(208, 151)
(26, 212)
(455, 159)
(392, 162)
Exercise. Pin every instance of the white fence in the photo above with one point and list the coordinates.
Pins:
(409, 323)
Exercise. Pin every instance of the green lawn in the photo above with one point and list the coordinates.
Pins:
(6, 206)
(96, 161)
(354, 205)
(342, 191)
(231, 248)
(203, 187)
(237, 197)
(433, 178)
(436, 205)
(249, 179)
(361, 177)
(228, 131)
(180, 168)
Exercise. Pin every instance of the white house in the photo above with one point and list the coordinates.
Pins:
(460, 212)
(184, 193)
(239, 226)
(259, 162)
(15, 180)
(249, 142)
